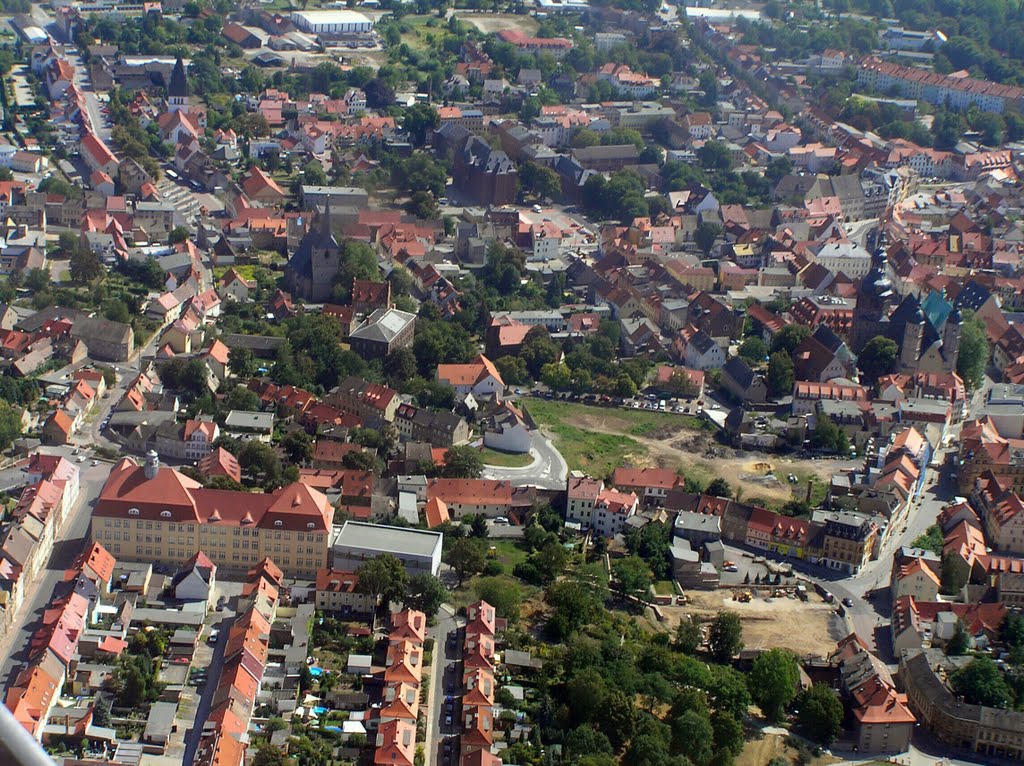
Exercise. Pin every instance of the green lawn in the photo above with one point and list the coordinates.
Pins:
(505, 459)
(664, 588)
(629, 421)
(246, 272)
(508, 553)
(595, 452)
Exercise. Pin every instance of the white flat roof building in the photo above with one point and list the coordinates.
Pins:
(332, 22)
(418, 549)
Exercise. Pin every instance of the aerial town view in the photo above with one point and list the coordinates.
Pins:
(511, 383)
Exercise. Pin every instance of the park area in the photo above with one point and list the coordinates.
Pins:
(598, 440)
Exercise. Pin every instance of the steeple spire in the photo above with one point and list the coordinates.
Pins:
(177, 88)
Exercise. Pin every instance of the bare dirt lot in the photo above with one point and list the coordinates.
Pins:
(803, 627)
(697, 454)
(757, 752)
(490, 23)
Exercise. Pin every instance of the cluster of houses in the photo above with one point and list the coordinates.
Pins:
(54, 651)
(241, 681)
(403, 676)
(51, 492)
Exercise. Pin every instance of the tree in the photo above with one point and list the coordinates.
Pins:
(774, 680)
(688, 634)
(728, 733)
(503, 594)
(575, 604)
(242, 398)
(269, 755)
(719, 487)
(980, 682)
(10, 425)
(779, 379)
(692, 737)
(705, 236)
(260, 461)
(383, 578)
(298, 446)
(358, 261)
(753, 350)
(877, 358)
(466, 557)
(632, 577)
(789, 337)
(242, 362)
(418, 120)
(960, 642)
(177, 235)
(729, 692)
(423, 205)
(462, 462)
(379, 95)
(821, 714)
(617, 717)
(85, 265)
(973, 353)
(714, 155)
(725, 637)
(426, 593)
(954, 573)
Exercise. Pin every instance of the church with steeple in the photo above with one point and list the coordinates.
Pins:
(177, 88)
(315, 263)
(926, 332)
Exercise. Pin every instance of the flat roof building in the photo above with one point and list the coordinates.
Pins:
(418, 549)
(332, 22)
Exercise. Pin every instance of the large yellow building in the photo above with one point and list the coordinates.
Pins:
(156, 514)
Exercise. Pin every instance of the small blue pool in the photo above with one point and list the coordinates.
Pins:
(315, 672)
(320, 710)
(332, 728)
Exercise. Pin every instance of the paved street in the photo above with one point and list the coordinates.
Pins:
(445, 676)
(547, 471)
(69, 543)
(195, 732)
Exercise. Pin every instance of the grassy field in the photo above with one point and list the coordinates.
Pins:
(633, 422)
(591, 450)
(246, 272)
(664, 587)
(505, 459)
(418, 35)
(508, 553)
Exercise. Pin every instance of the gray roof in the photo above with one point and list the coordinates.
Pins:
(160, 722)
(384, 325)
(263, 421)
(400, 541)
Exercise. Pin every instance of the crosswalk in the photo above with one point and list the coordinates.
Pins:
(183, 199)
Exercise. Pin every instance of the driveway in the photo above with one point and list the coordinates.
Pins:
(547, 471)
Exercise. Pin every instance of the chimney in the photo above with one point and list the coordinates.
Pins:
(152, 464)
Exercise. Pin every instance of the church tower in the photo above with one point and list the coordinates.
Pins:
(951, 340)
(874, 299)
(913, 339)
(177, 88)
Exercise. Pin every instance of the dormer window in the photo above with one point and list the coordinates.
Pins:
(278, 523)
(310, 525)
(133, 511)
(165, 514)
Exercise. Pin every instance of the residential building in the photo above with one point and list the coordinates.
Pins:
(338, 591)
(156, 514)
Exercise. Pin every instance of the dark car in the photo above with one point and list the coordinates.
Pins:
(848, 601)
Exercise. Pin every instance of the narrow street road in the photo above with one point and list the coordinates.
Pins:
(445, 672)
(547, 471)
(69, 542)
